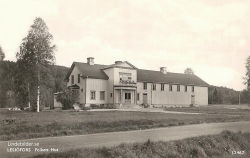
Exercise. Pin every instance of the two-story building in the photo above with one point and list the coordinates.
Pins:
(122, 83)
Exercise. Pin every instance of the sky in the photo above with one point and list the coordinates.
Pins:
(210, 36)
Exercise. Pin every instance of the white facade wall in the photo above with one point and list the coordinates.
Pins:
(96, 85)
(201, 95)
(141, 91)
(82, 84)
(167, 97)
(110, 85)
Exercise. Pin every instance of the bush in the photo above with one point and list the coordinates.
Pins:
(110, 106)
(86, 108)
(94, 106)
(145, 105)
(68, 98)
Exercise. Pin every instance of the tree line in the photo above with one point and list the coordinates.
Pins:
(14, 93)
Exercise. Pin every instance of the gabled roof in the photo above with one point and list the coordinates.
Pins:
(96, 71)
(172, 78)
(115, 65)
(89, 71)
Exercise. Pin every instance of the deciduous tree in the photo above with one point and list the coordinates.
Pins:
(1, 52)
(247, 76)
(35, 55)
(189, 71)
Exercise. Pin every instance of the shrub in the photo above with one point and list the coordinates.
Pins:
(145, 105)
(94, 106)
(68, 98)
(110, 106)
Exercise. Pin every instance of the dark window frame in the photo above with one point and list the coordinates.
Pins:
(72, 79)
(192, 88)
(170, 87)
(102, 93)
(162, 86)
(128, 96)
(92, 97)
(79, 78)
(145, 86)
(186, 87)
(178, 88)
(153, 86)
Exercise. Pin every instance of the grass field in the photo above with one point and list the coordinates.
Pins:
(215, 109)
(23, 125)
(227, 144)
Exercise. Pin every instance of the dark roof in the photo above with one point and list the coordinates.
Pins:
(89, 71)
(172, 78)
(95, 71)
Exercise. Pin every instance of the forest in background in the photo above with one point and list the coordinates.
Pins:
(216, 95)
(8, 77)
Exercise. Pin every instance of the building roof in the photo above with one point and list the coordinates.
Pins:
(169, 77)
(89, 71)
(115, 65)
(96, 71)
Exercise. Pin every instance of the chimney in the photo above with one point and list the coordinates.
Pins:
(118, 62)
(163, 70)
(90, 60)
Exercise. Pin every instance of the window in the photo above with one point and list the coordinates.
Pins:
(125, 76)
(170, 87)
(72, 79)
(178, 88)
(102, 95)
(92, 95)
(162, 87)
(138, 96)
(144, 85)
(186, 88)
(127, 96)
(79, 78)
(111, 95)
(154, 87)
(192, 88)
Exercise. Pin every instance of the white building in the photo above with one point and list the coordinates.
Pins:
(123, 84)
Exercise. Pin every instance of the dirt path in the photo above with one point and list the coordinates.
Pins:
(114, 138)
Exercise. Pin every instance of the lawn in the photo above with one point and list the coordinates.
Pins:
(227, 144)
(215, 109)
(23, 125)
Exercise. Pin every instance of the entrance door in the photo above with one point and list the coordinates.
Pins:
(127, 98)
(145, 98)
(193, 99)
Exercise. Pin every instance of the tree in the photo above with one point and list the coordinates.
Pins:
(2, 53)
(68, 98)
(35, 55)
(247, 76)
(188, 71)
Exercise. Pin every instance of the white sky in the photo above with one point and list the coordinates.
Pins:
(210, 36)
